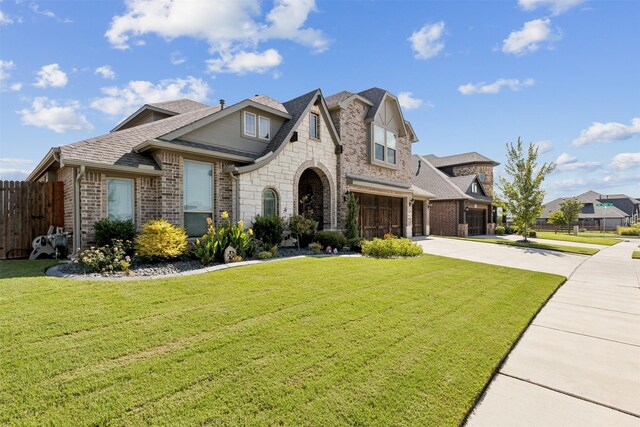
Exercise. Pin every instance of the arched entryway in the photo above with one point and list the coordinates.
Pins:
(311, 196)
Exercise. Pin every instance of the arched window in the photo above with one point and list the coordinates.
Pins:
(269, 202)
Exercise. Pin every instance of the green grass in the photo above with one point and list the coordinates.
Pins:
(581, 238)
(532, 245)
(315, 341)
(635, 255)
(599, 234)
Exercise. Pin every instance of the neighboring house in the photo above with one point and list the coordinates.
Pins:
(185, 161)
(625, 210)
(462, 188)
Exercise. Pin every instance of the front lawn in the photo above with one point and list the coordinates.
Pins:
(564, 237)
(534, 245)
(315, 341)
(635, 255)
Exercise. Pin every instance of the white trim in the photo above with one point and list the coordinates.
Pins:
(268, 137)
(244, 123)
(133, 196)
(374, 159)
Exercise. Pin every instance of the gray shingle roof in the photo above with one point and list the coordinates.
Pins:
(589, 210)
(179, 106)
(464, 182)
(115, 148)
(458, 159)
(269, 102)
(375, 95)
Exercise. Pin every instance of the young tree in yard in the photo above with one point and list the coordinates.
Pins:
(520, 187)
(557, 219)
(353, 208)
(570, 209)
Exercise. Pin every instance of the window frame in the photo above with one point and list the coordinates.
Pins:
(255, 124)
(275, 200)
(133, 197)
(385, 162)
(212, 194)
(260, 118)
(316, 127)
(474, 187)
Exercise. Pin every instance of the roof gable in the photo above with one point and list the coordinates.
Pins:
(168, 108)
(385, 110)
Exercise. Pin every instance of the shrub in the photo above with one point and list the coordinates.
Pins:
(500, 230)
(353, 210)
(301, 226)
(628, 231)
(334, 239)
(274, 250)
(533, 233)
(355, 244)
(388, 236)
(388, 248)
(104, 259)
(316, 248)
(114, 229)
(161, 240)
(269, 229)
(213, 244)
(264, 255)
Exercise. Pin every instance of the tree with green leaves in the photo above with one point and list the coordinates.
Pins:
(570, 209)
(520, 187)
(353, 209)
(557, 218)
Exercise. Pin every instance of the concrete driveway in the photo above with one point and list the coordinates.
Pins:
(578, 363)
(507, 256)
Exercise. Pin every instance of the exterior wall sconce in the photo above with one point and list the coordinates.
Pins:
(346, 195)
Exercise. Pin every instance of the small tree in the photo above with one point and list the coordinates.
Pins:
(557, 219)
(353, 208)
(299, 225)
(570, 209)
(521, 186)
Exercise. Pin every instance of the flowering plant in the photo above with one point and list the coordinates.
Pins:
(212, 245)
(104, 259)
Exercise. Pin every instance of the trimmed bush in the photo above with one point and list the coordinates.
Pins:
(315, 248)
(628, 231)
(334, 239)
(355, 244)
(161, 240)
(108, 230)
(533, 233)
(500, 230)
(265, 255)
(268, 229)
(389, 248)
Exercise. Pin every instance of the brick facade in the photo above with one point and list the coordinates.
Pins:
(443, 217)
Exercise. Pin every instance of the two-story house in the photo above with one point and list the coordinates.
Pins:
(186, 161)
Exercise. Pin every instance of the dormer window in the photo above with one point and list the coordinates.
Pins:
(384, 145)
(249, 124)
(474, 187)
(265, 128)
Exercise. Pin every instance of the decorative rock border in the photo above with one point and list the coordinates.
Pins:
(55, 270)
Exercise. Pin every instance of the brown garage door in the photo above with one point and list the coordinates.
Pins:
(379, 215)
(418, 218)
(477, 222)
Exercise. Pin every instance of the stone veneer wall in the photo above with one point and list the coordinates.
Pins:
(283, 172)
(443, 218)
(355, 158)
(476, 169)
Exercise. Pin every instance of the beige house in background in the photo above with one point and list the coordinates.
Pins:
(186, 161)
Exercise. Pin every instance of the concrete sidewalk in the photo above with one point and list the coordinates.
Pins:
(579, 361)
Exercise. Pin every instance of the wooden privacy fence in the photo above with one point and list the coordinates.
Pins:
(27, 209)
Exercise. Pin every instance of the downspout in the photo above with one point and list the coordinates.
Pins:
(76, 207)
(236, 202)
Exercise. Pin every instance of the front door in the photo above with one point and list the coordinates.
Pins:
(379, 215)
(418, 218)
(476, 218)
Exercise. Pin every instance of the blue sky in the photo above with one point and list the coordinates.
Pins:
(472, 76)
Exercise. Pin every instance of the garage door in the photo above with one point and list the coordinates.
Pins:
(379, 215)
(477, 222)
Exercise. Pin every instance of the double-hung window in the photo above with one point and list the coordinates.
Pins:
(120, 199)
(384, 145)
(256, 126)
(265, 128)
(249, 124)
(198, 196)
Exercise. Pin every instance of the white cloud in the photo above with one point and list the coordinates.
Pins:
(495, 87)
(607, 132)
(48, 113)
(426, 42)
(15, 169)
(5, 19)
(106, 72)
(126, 99)
(555, 6)
(407, 101)
(245, 62)
(16, 87)
(49, 14)
(567, 162)
(177, 58)
(233, 29)
(529, 38)
(51, 75)
(625, 161)
(5, 68)
(544, 146)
